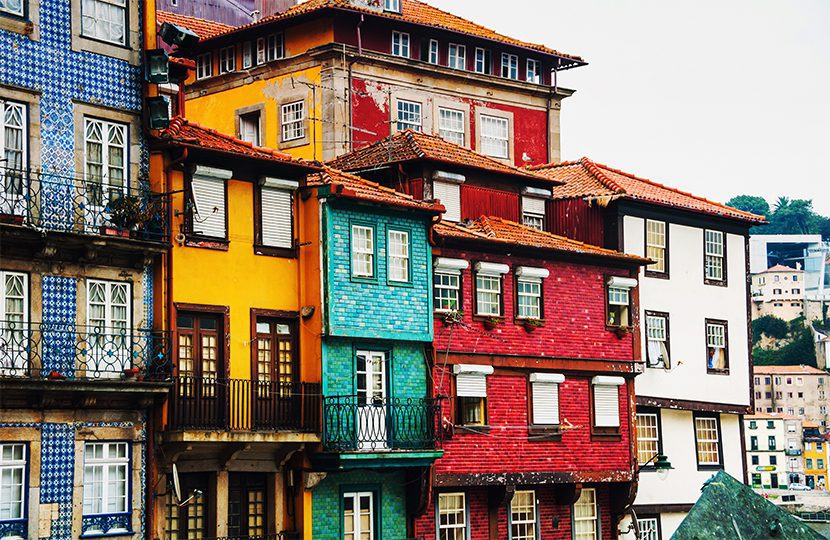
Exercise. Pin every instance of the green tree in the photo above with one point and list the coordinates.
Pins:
(794, 216)
(750, 203)
(771, 326)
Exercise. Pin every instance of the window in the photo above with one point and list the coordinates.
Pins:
(753, 424)
(392, 5)
(648, 436)
(13, 146)
(452, 516)
(105, 163)
(606, 397)
(249, 128)
(619, 306)
(13, 458)
(483, 63)
(447, 283)
(533, 212)
(276, 358)
(208, 202)
(756, 460)
(771, 442)
(227, 59)
(707, 439)
(799, 381)
(753, 443)
(789, 380)
(809, 463)
(292, 120)
(717, 346)
(457, 57)
(801, 411)
(656, 247)
(471, 390)
(534, 71)
(400, 44)
(358, 515)
(247, 55)
(510, 66)
(246, 505)
(409, 115)
(105, 20)
(260, 51)
(200, 356)
(523, 515)
(657, 344)
(585, 516)
(204, 66)
(449, 193)
(432, 54)
(488, 288)
(495, 137)
(106, 478)
(649, 527)
(276, 213)
(770, 424)
(773, 460)
(819, 463)
(12, 7)
(795, 278)
(108, 335)
(767, 380)
(714, 256)
(275, 48)
(822, 409)
(544, 394)
(756, 480)
(451, 125)
(529, 298)
(398, 256)
(14, 314)
(363, 251)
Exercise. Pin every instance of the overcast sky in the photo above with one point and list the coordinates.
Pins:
(717, 97)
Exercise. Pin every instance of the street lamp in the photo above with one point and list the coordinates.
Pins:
(661, 464)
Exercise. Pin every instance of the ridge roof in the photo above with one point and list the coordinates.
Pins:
(355, 187)
(503, 231)
(586, 178)
(781, 268)
(201, 27)
(788, 370)
(412, 11)
(410, 145)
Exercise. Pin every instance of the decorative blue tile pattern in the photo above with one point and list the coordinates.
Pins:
(59, 314)
(147, 283)
(57, 468)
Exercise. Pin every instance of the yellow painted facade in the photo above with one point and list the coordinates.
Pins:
(815, 455)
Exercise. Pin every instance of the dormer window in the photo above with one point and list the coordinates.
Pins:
(400, 44)
(619, 301)
(446, 187)
(533, 207)
(534, 71)
(510, 66)
(457, 58)
(392, 5)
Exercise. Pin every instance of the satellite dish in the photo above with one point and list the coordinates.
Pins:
(177, 487)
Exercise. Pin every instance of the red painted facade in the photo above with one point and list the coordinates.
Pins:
(575, 218)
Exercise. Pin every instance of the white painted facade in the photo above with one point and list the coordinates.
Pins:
(689, 301)
(766, 451)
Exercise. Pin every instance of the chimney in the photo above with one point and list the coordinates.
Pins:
(272, 7)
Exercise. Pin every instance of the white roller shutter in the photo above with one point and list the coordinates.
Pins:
(545, 403)
(606, 406)
(450, 196)
(276, 218)
(471, 385)
(208, 187)
(533, 205)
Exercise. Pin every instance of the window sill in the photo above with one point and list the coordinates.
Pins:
(360, 279)
(715, 283)
(472, 429)
(539, 433)
(717, 371)
(405, 284)
(606, 434)
(270, 251)
(657, 275)
(710, 467)
(18, 25)
(217, 244)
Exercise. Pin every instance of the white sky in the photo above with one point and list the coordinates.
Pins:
(716, 97)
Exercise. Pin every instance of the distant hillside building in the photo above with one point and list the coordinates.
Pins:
(793, 390)
(778, 291)
(767, 451)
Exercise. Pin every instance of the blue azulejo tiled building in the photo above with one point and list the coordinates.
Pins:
(380, 435)
(80, 363)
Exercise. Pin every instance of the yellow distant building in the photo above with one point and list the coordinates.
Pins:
(815, 457)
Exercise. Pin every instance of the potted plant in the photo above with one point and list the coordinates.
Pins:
(131, 372)
(125, 214)
(454, 316)
(532, 324)
(56, 376)
(622, 331)
(491, 322)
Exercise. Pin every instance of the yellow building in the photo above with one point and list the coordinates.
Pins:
(244, 409)
(815, 457)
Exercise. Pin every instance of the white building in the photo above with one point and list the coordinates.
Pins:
(806, 250)
(767, 450)
(778, 291)
(693, 322)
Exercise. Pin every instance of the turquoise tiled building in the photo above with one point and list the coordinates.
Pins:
(379, 421)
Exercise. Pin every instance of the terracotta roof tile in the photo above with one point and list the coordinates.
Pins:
(409, 145)
(502, 231)
(415, 12)
(781, 268)
(183, 132)
(201, 27)
(355, 187)
(787, 370)
(585, 178)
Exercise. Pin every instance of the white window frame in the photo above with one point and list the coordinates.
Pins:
(648, 434)
(524, 516)
(204, 66)
(657, 245)
(108, 349)
(400, 44)
(533, 212)
(247, 55)
(249, 127)
(275, 47)
(409, 115)
(510, 66)
(535, 67)
(399, 256)
(108, 465)
(98, 19)
(446, 281)
(491, 286)
(452, 125)
(5, 9)
(261, 55)
(714, 251)
(433, 54)
(534, 295)
(450, 530)
(717, 338)
(227, 59)
(356, 497)
(363, 255)
(392, 5)
(13, 117)
(657, 341)
(292, 120)
(606, 393)
(481, 62)
(11, 465)
(649, 528)
(493, 144)
(457, 56)
(714, 425)
(586, 523)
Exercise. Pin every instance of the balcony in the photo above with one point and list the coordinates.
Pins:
(241, 405)
(42, 202)
(379, 429)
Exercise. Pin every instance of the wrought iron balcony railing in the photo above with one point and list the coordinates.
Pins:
(353, 423)
(69, 351)
(244, 405)
(56, 203)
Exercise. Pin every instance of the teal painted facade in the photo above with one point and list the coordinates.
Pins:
(382, 316)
